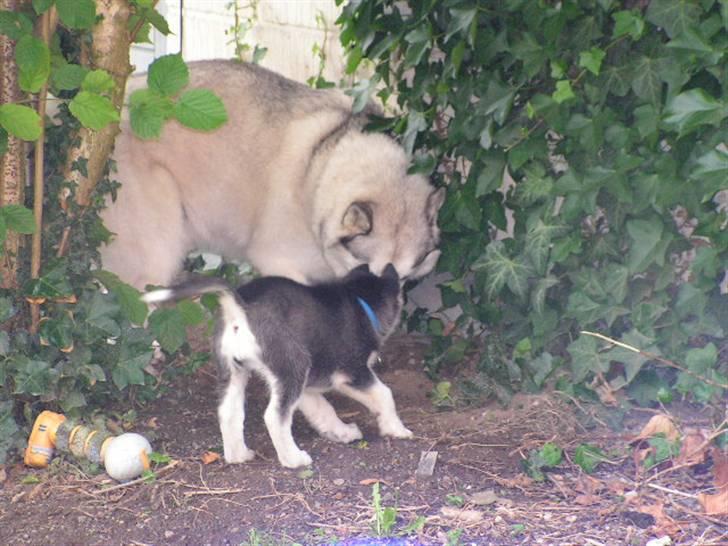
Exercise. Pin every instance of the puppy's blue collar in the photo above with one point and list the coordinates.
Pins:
(371, 314)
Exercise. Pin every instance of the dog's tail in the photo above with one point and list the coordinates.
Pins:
(229, 301)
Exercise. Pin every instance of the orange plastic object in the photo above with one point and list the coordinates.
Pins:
(42, 439)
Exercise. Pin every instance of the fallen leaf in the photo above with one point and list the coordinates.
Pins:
(36, 491)
(690, 449)
(720, 468)
(588, 485)
(639, 455)
(461, 515)
(210, 457)
(370, 481)
(663, 523)
(714, 505)
(3, 474)
(586, 500)
(659, 424)
(152, 423)
(616, 487)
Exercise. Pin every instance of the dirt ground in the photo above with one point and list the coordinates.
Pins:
(478, 493)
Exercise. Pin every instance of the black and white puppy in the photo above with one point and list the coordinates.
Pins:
(304, 341)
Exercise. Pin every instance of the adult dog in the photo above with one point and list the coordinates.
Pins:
(291, 183)
(302, 340)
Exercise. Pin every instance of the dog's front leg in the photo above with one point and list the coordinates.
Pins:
(231, 416)
(377, 397)
(322, 416)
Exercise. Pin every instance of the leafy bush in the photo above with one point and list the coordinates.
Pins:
(90, 348)
(610, 118)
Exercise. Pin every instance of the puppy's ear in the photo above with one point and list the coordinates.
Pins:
(357, 219)
(390, 273)
(362, 269)
(434, 202)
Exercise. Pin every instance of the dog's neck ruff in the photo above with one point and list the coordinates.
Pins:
(371, 314)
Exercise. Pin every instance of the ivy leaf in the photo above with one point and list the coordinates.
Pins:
(98, 81)
(147, 113)
(586, 358)
(58, 332)
(8, 428)
(168, 75)
(632, 361)
(101, 314)
(675, 16)
(200, 109)
(419, 42)
(129, 298)
(502, 270)
(538, 295)
(491, 175)
(34, 63)
(538, 242)
(692, 109)
(20, 121)
(54, 284)
(584, 309)
(628, 22)
(646, 236)
(529, 51)
(3, 142)
(702, 360)
(68, 76)
(592, 60)
(129, 370)
(18, 218)
(462, 19)
(93, 110)
(169, 328)
(498, 100)
(647, 82)
(77, 14)
(32, 377)
(563, 91)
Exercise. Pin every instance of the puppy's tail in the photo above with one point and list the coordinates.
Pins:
(229, 300)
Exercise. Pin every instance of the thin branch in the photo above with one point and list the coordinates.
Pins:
(652, 356)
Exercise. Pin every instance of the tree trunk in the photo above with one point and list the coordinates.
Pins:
(12, 163)
(109, 51)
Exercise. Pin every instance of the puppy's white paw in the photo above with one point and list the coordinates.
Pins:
(345, 433)
(239, 454)
(395, 430)
(295, 459)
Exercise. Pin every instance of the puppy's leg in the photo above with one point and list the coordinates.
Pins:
(377, 397)
(278, 419)
(231, 415)
(322, 416)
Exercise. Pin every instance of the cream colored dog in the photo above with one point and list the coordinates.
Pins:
(290, 183)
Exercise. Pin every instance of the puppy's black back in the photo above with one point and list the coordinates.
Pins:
(326, 319)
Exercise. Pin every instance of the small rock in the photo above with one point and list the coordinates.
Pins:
(483, 498)
(168, 534)
(498, 519)
(339, 482)
(662, 541)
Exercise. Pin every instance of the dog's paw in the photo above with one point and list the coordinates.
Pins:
(295, 459)
(395, 430)
(345, 433)
(240, 454)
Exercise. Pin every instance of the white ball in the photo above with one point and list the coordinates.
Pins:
(126, 456)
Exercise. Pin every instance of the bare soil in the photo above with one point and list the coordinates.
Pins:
(478, 493)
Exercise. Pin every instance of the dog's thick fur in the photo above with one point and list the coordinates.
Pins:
(303, 340)
(290, 183)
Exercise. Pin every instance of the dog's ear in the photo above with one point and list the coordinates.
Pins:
(390, 273)
(434, 202)
(362, 269)
(357, 219)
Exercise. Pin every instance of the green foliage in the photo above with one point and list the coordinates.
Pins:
(540, 459)
(91, 348)
(588, 457)
(385, 518)
(611, 123)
